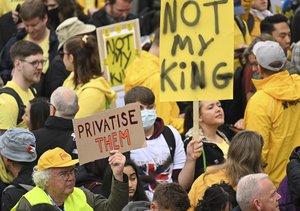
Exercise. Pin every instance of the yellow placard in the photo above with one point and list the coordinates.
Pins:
(119, 44)
(196, 50)
(120, 52)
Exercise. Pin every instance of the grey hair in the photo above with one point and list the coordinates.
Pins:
(41, 178)
(65, 102)
(247, 189)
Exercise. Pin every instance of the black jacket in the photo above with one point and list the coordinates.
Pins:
(56, 133)
(55, 75)
(12, 195)
(101, 18)
(293, 174)
(213, 155)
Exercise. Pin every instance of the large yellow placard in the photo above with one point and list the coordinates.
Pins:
(196, 50)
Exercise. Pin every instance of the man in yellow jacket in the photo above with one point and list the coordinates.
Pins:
(274, 110)
(145, 71)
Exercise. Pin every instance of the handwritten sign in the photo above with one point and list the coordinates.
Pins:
(118, 45)
(196, 50)
(119, 129)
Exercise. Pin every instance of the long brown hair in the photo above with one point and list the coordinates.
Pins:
(86, 58)
(244, 156)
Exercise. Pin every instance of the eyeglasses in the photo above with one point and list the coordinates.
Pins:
(64, 175)
(35, 63)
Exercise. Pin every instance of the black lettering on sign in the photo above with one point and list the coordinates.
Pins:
(197, 13)
(164, 76)
(170, 18)
(226, 77)
(120, 49)
(216, 12)
(178, 42)
(198, 79)
(204, 44)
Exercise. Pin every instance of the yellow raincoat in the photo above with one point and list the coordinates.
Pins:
(92, 96)
(274, 112)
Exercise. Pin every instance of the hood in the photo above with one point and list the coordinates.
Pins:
(97, 83)
(141, 69)
(103, 85)
(159, 127)
(281, 86)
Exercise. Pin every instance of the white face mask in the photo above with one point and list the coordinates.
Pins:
(148, 118)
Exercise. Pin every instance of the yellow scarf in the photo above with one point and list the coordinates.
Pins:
(5, 176)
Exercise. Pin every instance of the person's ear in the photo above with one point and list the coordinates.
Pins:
(17, 63)
(45, 19)
(71, 57)
(257, 204)
(260, 70)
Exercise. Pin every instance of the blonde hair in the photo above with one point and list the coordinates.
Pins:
(244, 157)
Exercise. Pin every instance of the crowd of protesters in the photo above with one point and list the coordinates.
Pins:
(245, 157)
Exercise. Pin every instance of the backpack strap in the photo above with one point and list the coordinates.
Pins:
(241, 25)
(250, 22)
(21, 106)
(170, 139)
(33, 91)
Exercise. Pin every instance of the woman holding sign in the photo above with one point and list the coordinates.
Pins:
(215, 143)
(82, 59)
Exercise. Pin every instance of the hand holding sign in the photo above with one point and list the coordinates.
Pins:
(116, 161)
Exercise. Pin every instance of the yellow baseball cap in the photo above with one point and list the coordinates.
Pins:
(55, 158)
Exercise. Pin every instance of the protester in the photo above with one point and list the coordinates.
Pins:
(274, 111)
(57, 73)
(136, 189)
(114, 11)
(256, 12)
(244, 157)
(36, 113)
(82, 59)
(257, 192)
(18, 152)
(277, 26)
(215, 143)
(58, 130)
(164, 159)
(28, 64)
(218, 197)
(54, 177)
(167, 196)
(33, 14)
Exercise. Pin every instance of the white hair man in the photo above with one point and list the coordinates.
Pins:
(257, 192)
(54, 176)
(58, 130)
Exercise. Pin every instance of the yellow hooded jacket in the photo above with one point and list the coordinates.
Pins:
(145, 71)
(274, 112)
(92, 96)
(203, 182)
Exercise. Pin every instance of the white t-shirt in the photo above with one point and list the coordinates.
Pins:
(157, 152)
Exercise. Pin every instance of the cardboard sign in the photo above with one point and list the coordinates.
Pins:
(196, 50)
(120, 129)
(118, 45)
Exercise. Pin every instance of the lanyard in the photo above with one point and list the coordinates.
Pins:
(54, 204)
